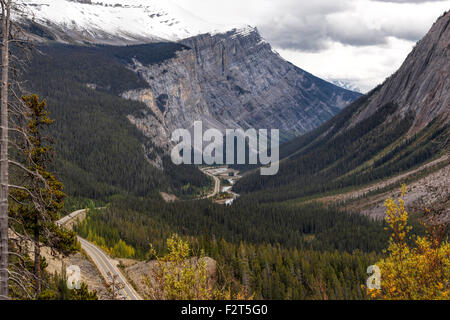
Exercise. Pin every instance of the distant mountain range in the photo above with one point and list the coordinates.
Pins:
(346, 85)
(118, 78)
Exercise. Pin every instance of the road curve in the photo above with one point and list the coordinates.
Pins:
(108, 269)
(216, 184)
(70, 216)
(103, 262)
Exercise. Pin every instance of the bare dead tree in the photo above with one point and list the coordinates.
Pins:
(4, 181)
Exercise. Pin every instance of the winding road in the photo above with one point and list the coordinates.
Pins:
(70, 216)
(216, 184)
(105, 265)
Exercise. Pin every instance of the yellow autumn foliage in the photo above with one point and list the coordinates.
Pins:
(178, 276)
(421, 272)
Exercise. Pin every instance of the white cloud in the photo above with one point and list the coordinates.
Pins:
(364, 67)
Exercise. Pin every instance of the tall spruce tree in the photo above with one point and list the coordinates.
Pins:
(38, 198)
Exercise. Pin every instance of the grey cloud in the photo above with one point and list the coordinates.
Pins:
(317, 35)
(297, 35)
(300, 25)
(353, 31)
(314, 27)
(405, 34)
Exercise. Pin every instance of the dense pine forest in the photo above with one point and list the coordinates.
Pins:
(275, 251)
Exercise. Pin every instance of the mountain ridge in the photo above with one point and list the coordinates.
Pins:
(400, 125)
(427, 96)
(234, 80)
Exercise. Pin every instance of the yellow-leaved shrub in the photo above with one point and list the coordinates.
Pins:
(421, 272)
(178, 276)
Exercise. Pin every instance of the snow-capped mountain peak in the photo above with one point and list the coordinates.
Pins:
(345, 84)
(109, 21)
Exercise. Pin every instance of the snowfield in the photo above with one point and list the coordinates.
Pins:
(152, 20)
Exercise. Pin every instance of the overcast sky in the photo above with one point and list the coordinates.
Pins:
(357, 41)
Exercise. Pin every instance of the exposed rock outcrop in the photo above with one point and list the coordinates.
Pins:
(233, 80)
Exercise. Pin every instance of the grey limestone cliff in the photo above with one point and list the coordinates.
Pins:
(232, 80)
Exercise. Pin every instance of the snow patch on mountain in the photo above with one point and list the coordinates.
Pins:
(152, 20)
(345, 84)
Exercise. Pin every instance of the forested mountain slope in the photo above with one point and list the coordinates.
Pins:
(99, 152)
(397, 126)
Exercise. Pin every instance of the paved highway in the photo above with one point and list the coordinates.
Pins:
(109, 270)
(64, 220)
(216, 184)
(104, 263)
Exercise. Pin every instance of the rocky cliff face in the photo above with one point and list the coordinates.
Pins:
(232, 80)
(422, 84)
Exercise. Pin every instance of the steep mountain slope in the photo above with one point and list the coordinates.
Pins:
(422, 84)
(233, 80)
(399, 125)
